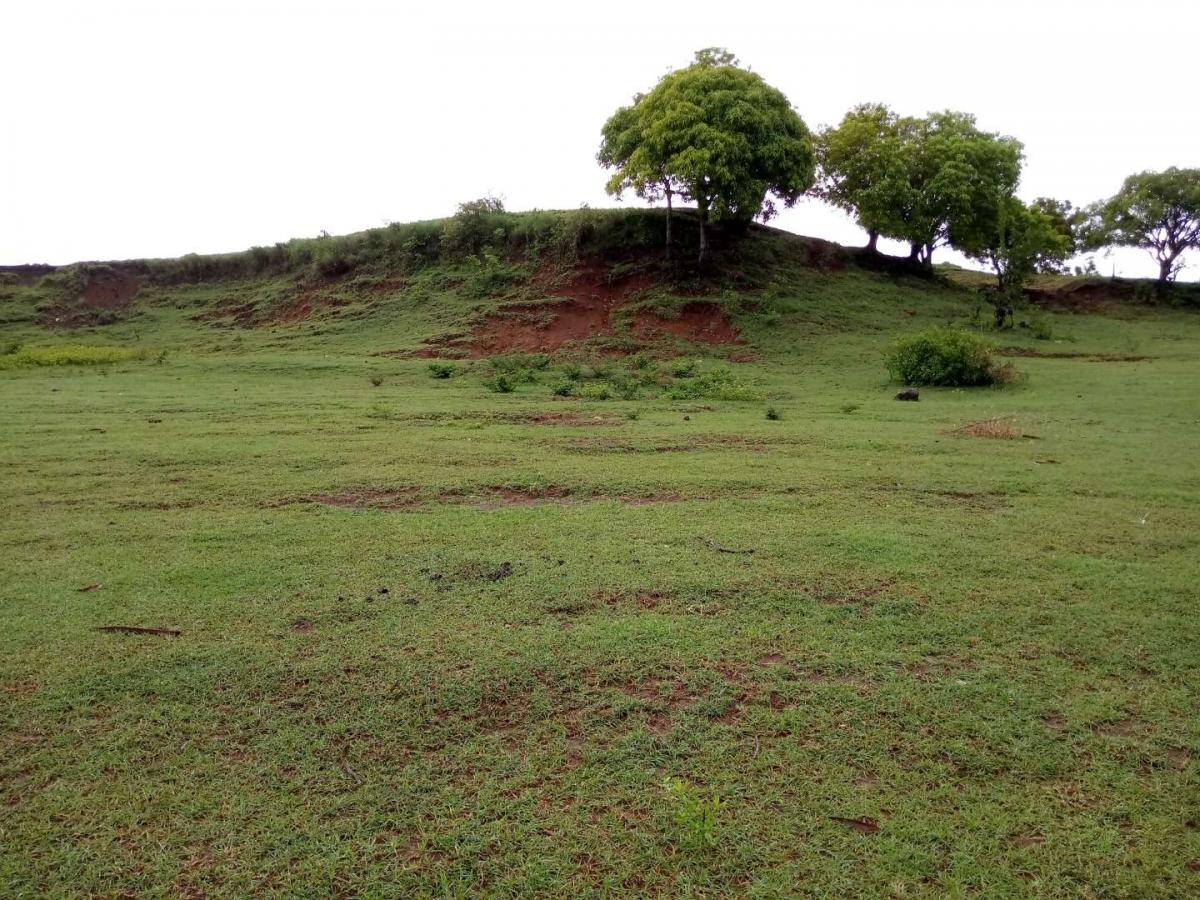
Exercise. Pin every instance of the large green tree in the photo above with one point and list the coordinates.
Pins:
(863, 168)
(1157, 211)
(716, 135)
(919, 180)
(957, 178)
(1022, 239)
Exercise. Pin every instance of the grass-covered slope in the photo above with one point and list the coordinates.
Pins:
(441, 640)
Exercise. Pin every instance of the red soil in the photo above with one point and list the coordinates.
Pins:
(581, 308)
(109, 289)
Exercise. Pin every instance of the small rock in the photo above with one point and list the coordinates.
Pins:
(909, 394)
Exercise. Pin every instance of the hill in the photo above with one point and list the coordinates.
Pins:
(496, 556)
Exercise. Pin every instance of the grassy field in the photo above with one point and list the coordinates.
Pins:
(436, 640)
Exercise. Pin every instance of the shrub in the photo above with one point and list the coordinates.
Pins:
(595, 391)
(377, 380)
(719, 384)
(944, 356)
(773, 414)
(565, 387)
(500, 383)
(684, 368)
(442, 369)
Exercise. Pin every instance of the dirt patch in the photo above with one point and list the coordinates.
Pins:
(1027, 839)
(566, 418)
(1001, 427)
(862, 825)
(1179, 757)
(610, 444)
(1066, 354)
(495, 497)
(698, 322)
(1123, 728)
(307, 302)
(106, 291)
(579, 308)
(108, 288)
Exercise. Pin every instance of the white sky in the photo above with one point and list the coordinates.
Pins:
(132, 129)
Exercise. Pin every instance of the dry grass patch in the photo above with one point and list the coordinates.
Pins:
(1002, 427)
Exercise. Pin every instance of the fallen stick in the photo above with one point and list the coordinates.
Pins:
(720, 549)
(138, 629)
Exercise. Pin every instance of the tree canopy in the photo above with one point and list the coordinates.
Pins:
(715, 134)
(920, 180)
(1157, 211)
(1023, 239)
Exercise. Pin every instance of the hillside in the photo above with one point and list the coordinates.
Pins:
(497, 556)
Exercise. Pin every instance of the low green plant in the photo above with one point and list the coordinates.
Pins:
(67, 355)
(945, 357)
(695, 814)
(501, 383)
(719, 384)
(596, 390)
(773, 414)
(564, 387)
(684, 368)
(377, 380)
(442, 369)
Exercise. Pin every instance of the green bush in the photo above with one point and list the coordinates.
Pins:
(565, 387)
(943, 356)
(684, 368)
(719, 384)
(595, 390)
(501, 383)
(442, 369)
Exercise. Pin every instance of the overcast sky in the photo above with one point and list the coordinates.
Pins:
(136, 129)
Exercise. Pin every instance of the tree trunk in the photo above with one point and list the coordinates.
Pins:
(914, 253)
(668, 223)
(703, 235)
(1164, 269)
(928, 256)
(872, 241)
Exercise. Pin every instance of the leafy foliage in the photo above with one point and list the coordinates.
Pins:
(1157, 211)
(1023, 239)
(929, 181)
(695, 814)
(944, 357)
(715, 134)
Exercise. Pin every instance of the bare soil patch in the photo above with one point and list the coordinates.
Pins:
(579, 308)
(698, 322)
(109, 288)
(1067, 354)
(493, 497)
(106, 292)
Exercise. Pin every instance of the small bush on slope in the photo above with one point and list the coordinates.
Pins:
(945, 357)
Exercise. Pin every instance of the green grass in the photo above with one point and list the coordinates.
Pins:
(66, 355)
(985, 648)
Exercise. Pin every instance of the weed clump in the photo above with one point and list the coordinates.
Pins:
(442, 369)
(719, 384)
(947, 357)
(695, 814)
